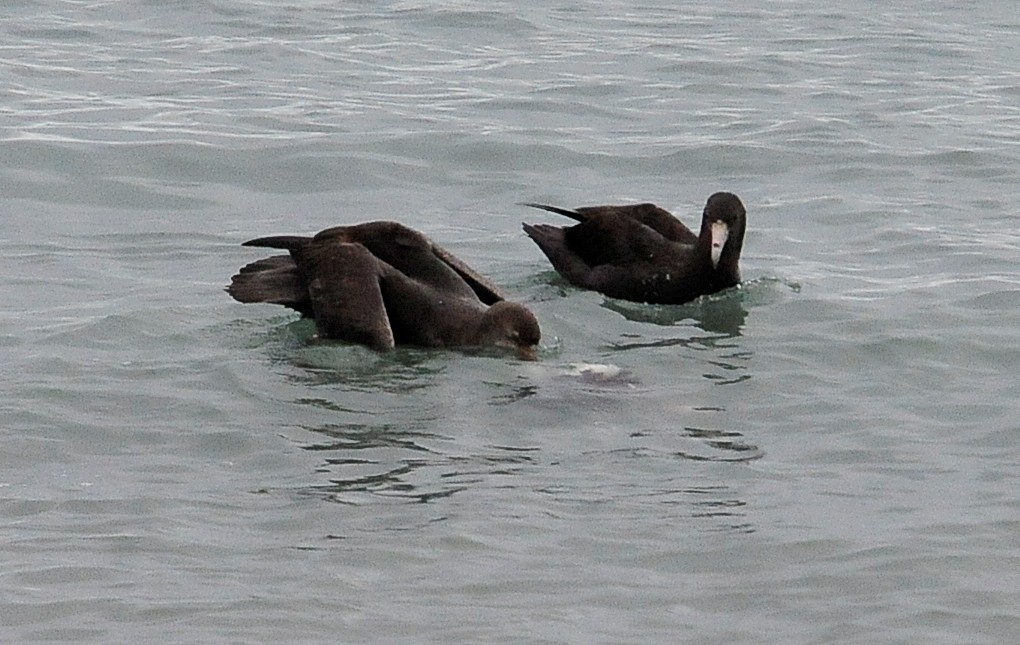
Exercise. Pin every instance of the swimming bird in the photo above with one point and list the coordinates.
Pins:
(383, 284)
(641, 252)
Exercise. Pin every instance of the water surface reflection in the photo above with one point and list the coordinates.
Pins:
(721, 313)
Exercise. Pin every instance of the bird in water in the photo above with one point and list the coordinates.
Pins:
(641, 252)
(383, 284)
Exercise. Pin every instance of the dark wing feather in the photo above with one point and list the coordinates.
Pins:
(418, 257)
(656, 218)
(346, 297)
(619, 241)
(288, 242)
(574, 215)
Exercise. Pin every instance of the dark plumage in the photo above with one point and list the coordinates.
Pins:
(383, 284)
(643, 253)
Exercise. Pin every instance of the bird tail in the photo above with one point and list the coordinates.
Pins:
(275, 280)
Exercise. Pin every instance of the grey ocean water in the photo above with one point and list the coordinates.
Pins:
(828, 454)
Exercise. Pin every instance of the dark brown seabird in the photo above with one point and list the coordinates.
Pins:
(643, 253)
(383, 284)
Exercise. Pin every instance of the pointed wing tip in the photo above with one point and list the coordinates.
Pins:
(566, 212)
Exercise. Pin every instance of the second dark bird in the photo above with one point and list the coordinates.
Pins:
(643, 253)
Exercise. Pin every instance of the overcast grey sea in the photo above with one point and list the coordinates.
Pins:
(829, 453)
